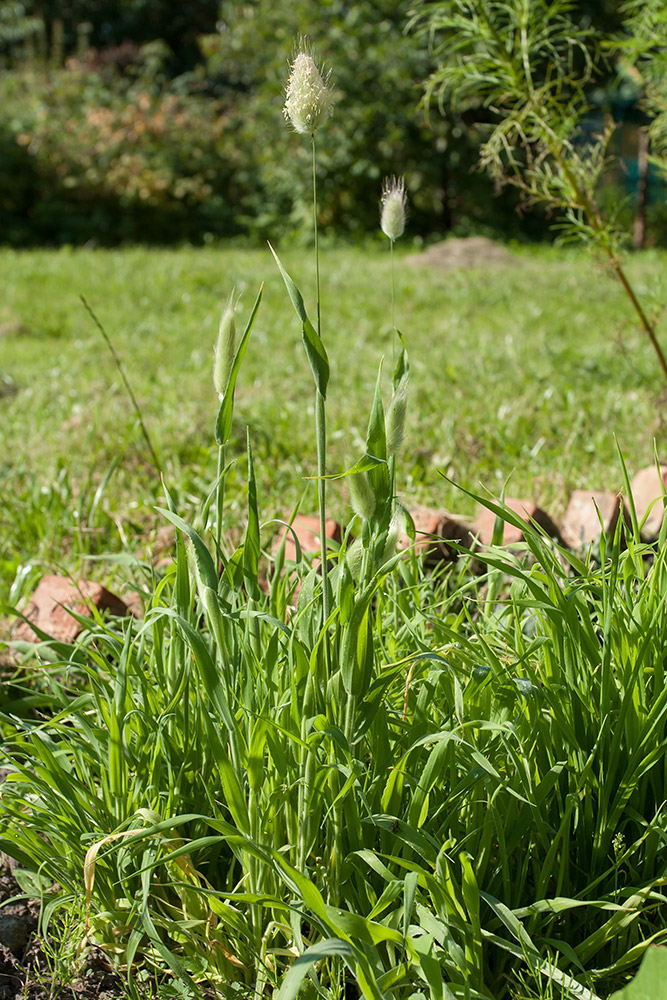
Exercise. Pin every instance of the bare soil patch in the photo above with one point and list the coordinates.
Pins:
(467, 252)
(25, 971)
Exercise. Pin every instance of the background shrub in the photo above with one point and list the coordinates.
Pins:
(135, 121)
(122, 147)
(115, 162)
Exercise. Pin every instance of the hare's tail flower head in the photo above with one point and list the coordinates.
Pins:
(393, 208)
(225, 348)
(308, 96)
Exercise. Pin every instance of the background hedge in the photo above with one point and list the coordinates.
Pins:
(136, 121)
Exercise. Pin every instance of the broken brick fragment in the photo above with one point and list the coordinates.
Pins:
(134, 603)
(52, 603)
(433, 529)
(526, 509)
(307, 530)
(581, 524)
(648, 487)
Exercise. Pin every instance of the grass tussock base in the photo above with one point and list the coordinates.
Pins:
(452, 783)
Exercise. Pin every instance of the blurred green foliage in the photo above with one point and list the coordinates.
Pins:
(83, 160)
(141, 121)
(109, 23)
(376, 129)
(102, 141)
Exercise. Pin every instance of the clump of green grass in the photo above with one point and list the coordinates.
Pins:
(523, 371)
(435, 788)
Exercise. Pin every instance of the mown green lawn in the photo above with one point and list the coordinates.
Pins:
(521, 373)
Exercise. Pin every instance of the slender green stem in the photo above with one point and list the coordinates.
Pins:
(320, 419)
(334, 829)
(394, 337)
(126, 383)
(393, 294)
(253, 873)
(393, 306)
(647, 326)
(308, 764)
(321, 432)
(219, 501)
(321, 435)
(350, 718)
(317, 238)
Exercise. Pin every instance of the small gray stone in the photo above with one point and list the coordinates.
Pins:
(14, 933)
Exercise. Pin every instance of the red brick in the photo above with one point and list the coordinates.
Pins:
(526, 509)
(52, 601)
(307, 530)
(581, 524)
(646, 487)
(134, 602)
(433, 529)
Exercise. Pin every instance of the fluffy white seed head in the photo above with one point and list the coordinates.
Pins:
(308, 96)
(393, 208)
(362, 497)
(225, 348)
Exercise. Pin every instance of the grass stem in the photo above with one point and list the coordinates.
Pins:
(126, 383)
(219, 501)
(646, 324)
(320, 416)
(594, 219)
(393, 306)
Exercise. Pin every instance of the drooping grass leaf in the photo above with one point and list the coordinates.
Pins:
(223, 423)
(298, 970)
(315, 350)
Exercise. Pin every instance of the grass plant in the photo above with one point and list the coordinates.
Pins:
(308, 104)
(357, 779)
(450, 779)
(476, 785)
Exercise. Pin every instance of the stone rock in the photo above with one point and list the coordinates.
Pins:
(433, 529)
(647, 489)
(134, 603)
(14, 933)
(581, 524)
(526, 509)
(54, 599)
(307, 530)
(18, 917)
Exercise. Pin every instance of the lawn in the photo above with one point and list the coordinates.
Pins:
(520, 373)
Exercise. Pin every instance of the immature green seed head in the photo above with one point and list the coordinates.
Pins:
(355, 558)
(308, 96)
(194, 572)
(225, 348)
(396, 417)
(396, 528)
(362, 497)
(393, 208)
